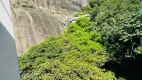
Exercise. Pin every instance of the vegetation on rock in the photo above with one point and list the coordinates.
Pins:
(79, 53)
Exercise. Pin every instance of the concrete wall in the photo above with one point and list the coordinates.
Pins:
(8, 58)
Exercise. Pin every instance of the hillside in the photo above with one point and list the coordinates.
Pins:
(35, 20)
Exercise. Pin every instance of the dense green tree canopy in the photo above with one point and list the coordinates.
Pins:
(81, 51)
(73, 55)
(118, 21)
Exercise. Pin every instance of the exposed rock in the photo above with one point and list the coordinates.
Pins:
(35, 20)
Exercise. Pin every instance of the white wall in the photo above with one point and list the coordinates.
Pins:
(8, 58)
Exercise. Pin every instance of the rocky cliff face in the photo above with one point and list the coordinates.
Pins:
(36, 20)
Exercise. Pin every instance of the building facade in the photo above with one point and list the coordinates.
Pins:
(8, 58)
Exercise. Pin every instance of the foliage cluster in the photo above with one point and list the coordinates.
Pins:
(119, 22)
(78, 53)
(74, 55)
